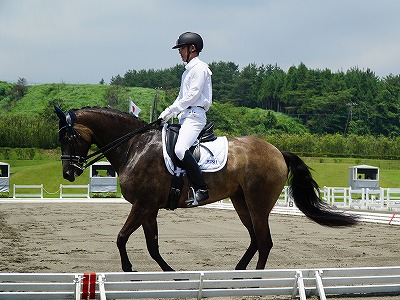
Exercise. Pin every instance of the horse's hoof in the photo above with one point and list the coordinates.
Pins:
(128, 269)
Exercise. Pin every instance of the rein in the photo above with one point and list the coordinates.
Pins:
(81, 162)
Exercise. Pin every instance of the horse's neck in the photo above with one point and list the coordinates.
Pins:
(133, 149)
(107, 128)
(107, 125)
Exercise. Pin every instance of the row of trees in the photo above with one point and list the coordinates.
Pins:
(28, 132)
(351, 102)
(21, 133)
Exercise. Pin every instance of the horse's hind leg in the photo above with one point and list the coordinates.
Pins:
(259, 210)
(249, 254)
(151, 234)
(244, 215)
(264, 242)
(255, 219)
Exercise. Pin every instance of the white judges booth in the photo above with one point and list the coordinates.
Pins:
(103, 178)
(4, 178)
(364, 176)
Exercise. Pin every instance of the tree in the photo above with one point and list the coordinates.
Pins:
(246, 87)
(114, 93)
(48, 114)
(223, 80)
(19, 89)
(270, 92)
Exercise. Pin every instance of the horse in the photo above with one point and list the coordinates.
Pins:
(253, 178)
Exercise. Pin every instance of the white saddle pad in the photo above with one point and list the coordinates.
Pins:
(212, 158)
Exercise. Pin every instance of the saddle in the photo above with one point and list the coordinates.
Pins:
(206, 135)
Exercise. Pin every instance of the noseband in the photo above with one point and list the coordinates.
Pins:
(67, 126)
(81, 162)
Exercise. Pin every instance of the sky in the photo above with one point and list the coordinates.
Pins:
(84, 41)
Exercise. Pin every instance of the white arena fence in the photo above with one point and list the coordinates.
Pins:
(37, 191)
(84, 188)
(366, 205)
(345, 197)
(389, 218)
(385, 199)
(302, 283)
(364, 216)
(30, 191)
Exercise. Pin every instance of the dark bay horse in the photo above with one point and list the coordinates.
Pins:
(253, 178)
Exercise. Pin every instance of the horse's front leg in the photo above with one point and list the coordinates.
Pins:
(132, 223)
(151, 234)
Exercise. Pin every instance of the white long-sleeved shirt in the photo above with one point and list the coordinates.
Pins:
(196, 87)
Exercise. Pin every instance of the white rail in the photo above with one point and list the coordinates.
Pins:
(364, 216)
(383, 199)
(390, 218)
(370, 199)
(68, 187)
(37, 194)
(202, 284)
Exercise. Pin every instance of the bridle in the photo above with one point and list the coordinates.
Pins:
(81, 162)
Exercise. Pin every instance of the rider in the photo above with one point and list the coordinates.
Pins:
(192, 103)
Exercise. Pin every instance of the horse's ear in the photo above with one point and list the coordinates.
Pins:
(60, 113)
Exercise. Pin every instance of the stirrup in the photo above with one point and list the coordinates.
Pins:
(193, 199)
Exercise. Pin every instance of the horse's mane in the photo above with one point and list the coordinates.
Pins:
(112, 112)
(122, 117)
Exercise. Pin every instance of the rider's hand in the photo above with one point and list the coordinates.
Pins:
(166, 115)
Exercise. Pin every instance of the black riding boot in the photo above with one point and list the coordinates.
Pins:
(195, 176)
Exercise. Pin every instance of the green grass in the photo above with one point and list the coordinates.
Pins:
(46, 172)
(331, 172)
(334, 172)
(76, 96)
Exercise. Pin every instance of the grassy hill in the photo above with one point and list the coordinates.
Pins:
(37, 97)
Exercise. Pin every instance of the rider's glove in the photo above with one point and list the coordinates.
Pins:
(166, 115)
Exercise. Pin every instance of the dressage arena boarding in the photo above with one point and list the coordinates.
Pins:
(301, 284)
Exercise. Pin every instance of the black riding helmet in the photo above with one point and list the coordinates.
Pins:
(189, 38)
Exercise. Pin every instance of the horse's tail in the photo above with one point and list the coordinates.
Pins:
(305, 192)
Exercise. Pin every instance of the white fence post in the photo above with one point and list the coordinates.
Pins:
(363, 200)
(319, 285)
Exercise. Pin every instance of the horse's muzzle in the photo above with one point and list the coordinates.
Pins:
(71, 172)
(69, 175)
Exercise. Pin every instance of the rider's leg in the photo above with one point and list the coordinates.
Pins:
(195, 177)
(190, 129)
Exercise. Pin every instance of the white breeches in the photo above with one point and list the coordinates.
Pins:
(191, 126)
